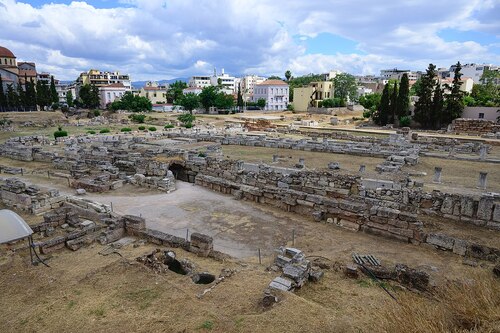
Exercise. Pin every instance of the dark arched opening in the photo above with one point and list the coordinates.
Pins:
(181, 173)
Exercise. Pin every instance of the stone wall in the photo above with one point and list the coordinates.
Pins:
(476, 126)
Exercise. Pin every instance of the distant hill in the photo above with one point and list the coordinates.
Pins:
(139, 84)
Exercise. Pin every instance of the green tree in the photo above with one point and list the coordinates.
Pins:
(3, 98)
(208, 97)
(403, 104)
(274, 77)
(381, 117)
(261, 103)
(89, 95)
(21, 97)
(12, 97)
(174, 93)
(437, 116)
(42, 93)
(424, 105)
(371, 101)
(345, 87)
(31, 95)
(223, 101)
(240, 98)
(393, 105)
(131, 102)
(190, 102)
(416, 88)
(53, 92)
(288, 75)
(487, 93)
(455, 99)
(69, 98)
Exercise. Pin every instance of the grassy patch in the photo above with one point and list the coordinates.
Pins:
(71, 304)
(142, 297)
(99, 312)
(207, 325)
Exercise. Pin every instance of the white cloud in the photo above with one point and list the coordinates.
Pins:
(157, 39)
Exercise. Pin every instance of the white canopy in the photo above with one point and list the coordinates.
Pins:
(12, 227)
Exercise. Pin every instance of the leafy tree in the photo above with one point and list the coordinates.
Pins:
(186, 118)
(454, 100)
(53, 92)
(370, 101)
(261, 103)
(416, 89)
(174, 93)
(436, 116)
(424, 106)
(288, 75)
(190, 102)
(403, 104)
(345, 86)
(274, 77)
(393, 104)
(223, 101)
(381, 117)
(131, 102)
(208, 97)
(487, 93)
(69, 98)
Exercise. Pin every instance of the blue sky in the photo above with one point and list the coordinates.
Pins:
(163, 39)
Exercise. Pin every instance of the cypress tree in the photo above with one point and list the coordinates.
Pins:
(240, 98)
(394, 104)
(437, 107)
(454, 101)
(21, 97)
(3, 98)
(383, 110)
(424, 105)
(53, 92)
(403, 106)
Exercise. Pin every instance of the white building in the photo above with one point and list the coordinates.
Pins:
(275, 92)
(248, 83)
(227, 83)
(63, 90)
(199, 81)
(331, 75)
(192, 90)
(397, 74)
(466, 86)
(108, 94)
(474, 71)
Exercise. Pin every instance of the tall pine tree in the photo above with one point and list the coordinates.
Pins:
(403, 106)
(437, 108)
(54, 97)
(240, 98)
(424, 105)
(382, 115)
(454, 100)
(3, 98)
(394, 104)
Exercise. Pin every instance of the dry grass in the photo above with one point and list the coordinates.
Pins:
(460, 306)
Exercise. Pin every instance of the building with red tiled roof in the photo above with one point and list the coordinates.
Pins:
(155, 92)
(111, 92)
(274, 92)
(8, 66)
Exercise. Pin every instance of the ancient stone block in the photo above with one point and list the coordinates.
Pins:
(460, 247)
(441, 241)
(346, 224)
(485, 208)
(134, 222)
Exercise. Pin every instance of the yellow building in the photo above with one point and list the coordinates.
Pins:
(156, 93)
(311, 95)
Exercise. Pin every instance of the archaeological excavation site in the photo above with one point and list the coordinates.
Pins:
(253, 224)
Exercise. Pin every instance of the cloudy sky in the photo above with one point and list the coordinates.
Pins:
(164, 39)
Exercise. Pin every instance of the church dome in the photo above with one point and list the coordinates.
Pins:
(6, 53)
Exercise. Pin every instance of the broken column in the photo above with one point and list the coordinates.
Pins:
(482, 153)
(437, 175)
(275, 158)
(362, 168)
(482, 180)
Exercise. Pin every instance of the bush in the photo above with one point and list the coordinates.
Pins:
(55, 106)
(290, 107)
(104, 130)
(188, 125)
(60, 133)
(137, 118)
(96, 113)
(404, 121)
(186, 118)
(152, 128)
(169, 126)
(367, 113)
(126, 129)
(91, 132)
(141, 128)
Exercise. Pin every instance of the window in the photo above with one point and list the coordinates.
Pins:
(481, 115)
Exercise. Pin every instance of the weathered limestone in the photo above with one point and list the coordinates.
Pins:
(437, 175)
